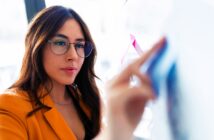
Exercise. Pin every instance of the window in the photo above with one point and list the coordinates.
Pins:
(13, 29)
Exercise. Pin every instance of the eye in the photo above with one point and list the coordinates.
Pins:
(60, 43)
(79, 45)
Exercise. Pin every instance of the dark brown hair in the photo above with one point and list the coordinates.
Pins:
(32, 75)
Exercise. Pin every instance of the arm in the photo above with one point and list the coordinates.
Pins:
(11, 127)
(12, 118)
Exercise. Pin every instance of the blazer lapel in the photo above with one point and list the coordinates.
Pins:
(56, 121)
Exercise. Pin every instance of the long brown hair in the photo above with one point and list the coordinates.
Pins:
(32, 75)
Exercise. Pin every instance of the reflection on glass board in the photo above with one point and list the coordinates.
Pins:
(184, 110)
(189, 103)
(192, 30)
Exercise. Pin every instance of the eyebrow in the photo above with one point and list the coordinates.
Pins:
(64, 36)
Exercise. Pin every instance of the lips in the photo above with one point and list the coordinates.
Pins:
(69, 70)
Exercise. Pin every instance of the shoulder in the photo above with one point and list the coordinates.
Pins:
(15, 101)
(14, 106)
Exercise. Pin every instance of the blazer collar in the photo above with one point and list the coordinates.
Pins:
(56, 121)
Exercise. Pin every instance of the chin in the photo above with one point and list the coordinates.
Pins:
(69, 82)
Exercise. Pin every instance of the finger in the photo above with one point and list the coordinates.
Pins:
(157, 46)
(133, 67)
(129, 102)
(142, 79)
(134, 109)
(123, 93)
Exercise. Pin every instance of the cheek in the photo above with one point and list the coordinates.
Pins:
(47, 64)
(81, 62)
(80, 65)
(49, 61)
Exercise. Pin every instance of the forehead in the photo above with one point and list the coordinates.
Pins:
(72, 30)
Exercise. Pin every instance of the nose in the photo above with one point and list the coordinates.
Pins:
(71, 53)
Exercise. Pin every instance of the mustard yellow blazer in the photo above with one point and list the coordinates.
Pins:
(43, 125)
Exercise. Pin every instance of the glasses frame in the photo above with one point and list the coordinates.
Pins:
(69, 45)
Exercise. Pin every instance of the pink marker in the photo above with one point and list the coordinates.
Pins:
(135, 44)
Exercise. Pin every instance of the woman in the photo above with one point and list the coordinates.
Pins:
(57, 76)
(56, 97)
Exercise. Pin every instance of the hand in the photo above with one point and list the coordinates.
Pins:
(125, 103)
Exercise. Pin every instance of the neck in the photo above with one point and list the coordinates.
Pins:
(59, 94)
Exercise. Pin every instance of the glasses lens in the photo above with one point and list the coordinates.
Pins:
(88, 48)
(59, 46)
(83, 49)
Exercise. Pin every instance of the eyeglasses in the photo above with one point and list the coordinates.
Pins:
(60, 46)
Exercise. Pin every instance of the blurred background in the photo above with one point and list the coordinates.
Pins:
(188, 24)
